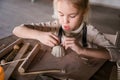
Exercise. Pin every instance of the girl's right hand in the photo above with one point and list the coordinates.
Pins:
(48, 39)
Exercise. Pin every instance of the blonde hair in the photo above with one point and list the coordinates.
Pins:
(78, 4)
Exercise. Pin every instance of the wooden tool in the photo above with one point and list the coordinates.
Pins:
(7, 49)
(12, 54)
(20, 54)
(5, 63)
(45, 71)
(28, 60)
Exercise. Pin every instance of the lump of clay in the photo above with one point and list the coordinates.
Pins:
(58, 51)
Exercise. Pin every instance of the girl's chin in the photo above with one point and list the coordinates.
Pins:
(67, 30)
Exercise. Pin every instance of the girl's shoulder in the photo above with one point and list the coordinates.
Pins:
(92, 32)
(92, 29)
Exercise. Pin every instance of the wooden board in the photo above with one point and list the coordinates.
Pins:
(11, 67)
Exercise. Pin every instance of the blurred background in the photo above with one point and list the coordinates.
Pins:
(104, 14)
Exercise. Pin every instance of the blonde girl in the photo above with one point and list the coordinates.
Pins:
(78, 34)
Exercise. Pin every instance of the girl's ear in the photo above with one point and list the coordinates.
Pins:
(85, 11)
(85, 15)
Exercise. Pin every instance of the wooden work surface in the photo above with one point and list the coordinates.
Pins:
(72, 63)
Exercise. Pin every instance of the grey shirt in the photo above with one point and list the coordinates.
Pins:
(94, 37)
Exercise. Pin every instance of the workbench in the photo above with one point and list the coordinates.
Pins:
(75, 67)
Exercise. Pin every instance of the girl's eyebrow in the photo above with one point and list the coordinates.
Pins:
(70, 13)
(60, 12)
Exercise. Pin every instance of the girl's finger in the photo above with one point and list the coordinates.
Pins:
(52, 40)
(52, 44)
(69, 42)
(54, 37)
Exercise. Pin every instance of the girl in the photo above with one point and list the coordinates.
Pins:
(78, 35)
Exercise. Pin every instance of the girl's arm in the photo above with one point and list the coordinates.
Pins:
(86, 52)
(96, 39)
(109, 51)
(105, 49)
(93, 52)
(42, 32)
(25, 32)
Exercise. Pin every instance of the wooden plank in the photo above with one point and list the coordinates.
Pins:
(7, 49)
(29, 58)
(23, 67)
(11, 67)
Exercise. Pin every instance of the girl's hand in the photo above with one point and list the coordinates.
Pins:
(48, 39)
(71, 43)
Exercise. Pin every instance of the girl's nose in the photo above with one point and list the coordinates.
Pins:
(66, 20)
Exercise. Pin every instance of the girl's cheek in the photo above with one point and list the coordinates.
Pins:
(60, 21)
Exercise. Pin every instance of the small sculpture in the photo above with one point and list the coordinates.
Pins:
(58, 51)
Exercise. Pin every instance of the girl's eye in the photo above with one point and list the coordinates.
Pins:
(72, 16)
(61, 15)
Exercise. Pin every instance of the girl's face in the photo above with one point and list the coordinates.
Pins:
(69, 17)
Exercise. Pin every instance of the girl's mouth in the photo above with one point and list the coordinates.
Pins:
(67, 27)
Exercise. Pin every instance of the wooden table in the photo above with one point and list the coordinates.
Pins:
(75, 67)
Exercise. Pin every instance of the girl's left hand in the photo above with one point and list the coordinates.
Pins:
(72, 43)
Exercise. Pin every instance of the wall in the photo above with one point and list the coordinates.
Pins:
(109, 3)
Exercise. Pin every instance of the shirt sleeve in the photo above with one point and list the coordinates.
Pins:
(52, 26)
(99, 39)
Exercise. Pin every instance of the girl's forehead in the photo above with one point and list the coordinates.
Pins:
(66, 6)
